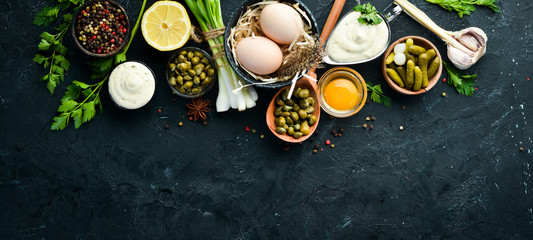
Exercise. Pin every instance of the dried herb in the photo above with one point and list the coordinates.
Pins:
(198, 108)
(465, 7)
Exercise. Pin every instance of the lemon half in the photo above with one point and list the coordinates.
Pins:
(166, 25)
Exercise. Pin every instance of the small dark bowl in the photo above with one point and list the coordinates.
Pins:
(207, 56)
(231, 23)
(75, 35)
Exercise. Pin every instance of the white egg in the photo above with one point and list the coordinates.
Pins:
(259, 55)
(399, 48)
(281, 23)
(399, 59)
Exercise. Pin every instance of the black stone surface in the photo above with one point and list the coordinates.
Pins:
(454, 172)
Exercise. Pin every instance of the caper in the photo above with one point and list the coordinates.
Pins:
(303, 103)
(296, 92)
(204, 61)
(192, 73)
(182, 58)
(286, 126)
(190, 55)
(302, 113)
(198, 54)
(196, 80)
(310, 109)
(195, 60)
(210, 72)
(312, 120)
(296, 107)
(295, 116)
(297, 127)
(196, 90)
(290, 131)
(297, 135)
(277, 112)
(281, 130)
(280, 121)
(290, 122)
(188, 85)
(311, 101)
(206, 81)
(285, 114)
(304, 93)
(289, 102)
(304, 128)
(280, 101)
(179, 79)
(287, 107)
(183, 52)
(183, 67)
(172, 66)
(173, 81)
(187, 78)
(202, 75)
(199, 68)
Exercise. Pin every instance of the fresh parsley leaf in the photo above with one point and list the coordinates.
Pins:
(46, 16)
(369, 14)
(465, 7)
(377, 95)
(88, 111)
(76, 115)
(67, 106)
(60, 122)
(72, 93)
(464, 84)
(39, 58)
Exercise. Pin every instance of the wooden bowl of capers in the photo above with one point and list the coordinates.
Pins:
(191, 72)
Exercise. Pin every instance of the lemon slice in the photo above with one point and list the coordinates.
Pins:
(166, 25)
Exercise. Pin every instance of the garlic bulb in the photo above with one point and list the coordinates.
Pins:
(465, 47)
(474, 39)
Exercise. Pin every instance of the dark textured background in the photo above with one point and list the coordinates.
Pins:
(455, 172)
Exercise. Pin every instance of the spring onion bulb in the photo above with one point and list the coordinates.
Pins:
(209, 16)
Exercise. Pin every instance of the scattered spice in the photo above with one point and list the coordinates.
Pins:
(367, 118)
(528, 78)
(315, 151)
(167, 126)
(262, 136)
(443, 94)
(159, 110)
(444, 80)
(180, 124)
(341, 130)
(198, 109)
(254, 131)
(365, 125)
(373, 118)
(403, 107)
(339, 134)
(334, 132)
(328, 142)
(371, 126)
(287, 148)
(190, 118)
(401, 128)
(332, 145)
(205, 123)
(521, 149)
(247, 128)
(316, 146)
(101, 27)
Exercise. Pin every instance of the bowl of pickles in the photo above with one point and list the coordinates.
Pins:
(412, 65)
(191, 72)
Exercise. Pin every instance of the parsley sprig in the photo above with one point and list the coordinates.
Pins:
(377, 94)
(81, 100)
(464, 84)
(369, 14)
(53, 54)
(465, 7)
(50, 13)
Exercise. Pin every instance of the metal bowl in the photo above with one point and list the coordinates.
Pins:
(233, 20)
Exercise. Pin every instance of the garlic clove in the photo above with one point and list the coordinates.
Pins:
(475, 40)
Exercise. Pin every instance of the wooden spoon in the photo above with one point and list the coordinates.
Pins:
(306, 82)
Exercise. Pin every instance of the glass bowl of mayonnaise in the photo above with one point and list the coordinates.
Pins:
(131, 85)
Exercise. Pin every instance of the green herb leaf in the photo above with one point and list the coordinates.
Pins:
(72, 93)
(76, 115)
(60, 122)
(80, 84)
(369, 14)
(67, 106)
(464, 84)
(39, 58)
(47, 36)
(377, 95)
(46, 16)
(465, 7)
(44, 45)
(88, 111)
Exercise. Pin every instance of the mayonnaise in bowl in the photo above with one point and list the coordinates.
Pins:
(131, 85)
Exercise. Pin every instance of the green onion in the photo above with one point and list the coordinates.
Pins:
(209, 16)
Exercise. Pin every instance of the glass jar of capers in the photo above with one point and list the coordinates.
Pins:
(295, 116)
(191, 72)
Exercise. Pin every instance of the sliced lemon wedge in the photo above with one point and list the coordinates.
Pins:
(166, 25)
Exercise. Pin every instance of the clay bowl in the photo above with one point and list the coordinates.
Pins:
(233, 21)
(302, 83)
(76, 36)
(420, 41)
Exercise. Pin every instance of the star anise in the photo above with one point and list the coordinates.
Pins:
(198, 108)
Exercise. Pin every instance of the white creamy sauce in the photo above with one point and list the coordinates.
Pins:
(131, 85)
(353, 41)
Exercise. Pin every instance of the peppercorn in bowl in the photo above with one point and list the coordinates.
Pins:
(101, 28)
(191, 72)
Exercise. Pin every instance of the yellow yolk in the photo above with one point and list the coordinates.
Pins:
(341, 94)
